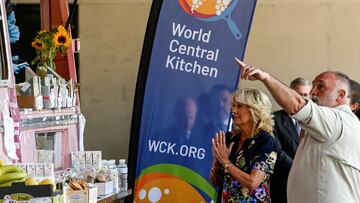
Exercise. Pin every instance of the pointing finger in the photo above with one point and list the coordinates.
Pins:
(242, 64)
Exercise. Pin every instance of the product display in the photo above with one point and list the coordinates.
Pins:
(10, 174)
(40, 181)
(42, 124)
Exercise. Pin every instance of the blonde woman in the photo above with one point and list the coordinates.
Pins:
(245, 157)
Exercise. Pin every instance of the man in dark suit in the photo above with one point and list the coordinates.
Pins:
(287, 134)
(185, 125)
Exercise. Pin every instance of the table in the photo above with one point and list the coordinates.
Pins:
(114, 197)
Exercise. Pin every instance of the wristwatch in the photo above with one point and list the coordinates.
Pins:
(226, 166)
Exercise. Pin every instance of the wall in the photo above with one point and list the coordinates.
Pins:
(289, 38)
(292, 38)
(111, 35)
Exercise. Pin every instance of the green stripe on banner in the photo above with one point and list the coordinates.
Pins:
(184, 173)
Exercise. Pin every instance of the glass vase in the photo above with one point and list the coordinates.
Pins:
(41, 71)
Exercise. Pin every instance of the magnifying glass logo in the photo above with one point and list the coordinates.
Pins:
(211, 11)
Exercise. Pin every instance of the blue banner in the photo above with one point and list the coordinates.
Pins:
(187, 97)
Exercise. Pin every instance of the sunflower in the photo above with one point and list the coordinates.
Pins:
(48, 43)
(37, 44)
(61, 28)
(61, 38)
(41, 32)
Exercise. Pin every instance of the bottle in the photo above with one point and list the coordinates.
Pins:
(123, 174)
(114, 175)
(111, 163)
(52, 98)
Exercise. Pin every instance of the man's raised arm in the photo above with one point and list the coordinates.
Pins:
(286, 97)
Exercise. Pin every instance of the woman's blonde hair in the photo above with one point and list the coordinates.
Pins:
(260, 107)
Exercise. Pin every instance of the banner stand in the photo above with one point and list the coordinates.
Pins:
(186, 76)
(139, 93)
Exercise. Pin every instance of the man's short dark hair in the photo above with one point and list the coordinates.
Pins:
(299, 82)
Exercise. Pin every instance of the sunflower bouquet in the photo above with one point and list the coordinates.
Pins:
(48, 43)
